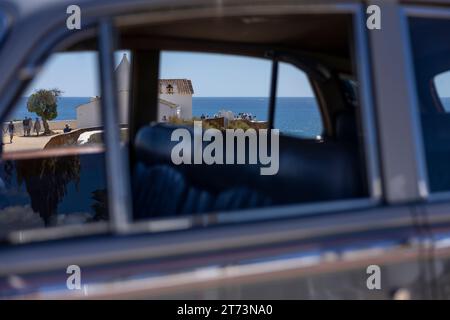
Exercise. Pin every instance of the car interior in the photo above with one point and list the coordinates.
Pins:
(310, 170)
(306, 173)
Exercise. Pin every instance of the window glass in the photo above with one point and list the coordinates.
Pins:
(431, 56)
(60, 107)
(181, 171)
(42, 182)
(245, 97)
(213, 87)
(296, 111)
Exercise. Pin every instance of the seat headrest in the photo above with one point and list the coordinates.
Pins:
(153, 143)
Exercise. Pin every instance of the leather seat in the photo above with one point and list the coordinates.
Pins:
(162, 191)
(308, 171)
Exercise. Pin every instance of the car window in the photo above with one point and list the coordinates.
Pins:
(180, 170)
(431, 52)
(192, 86)
(222, 91)
(52, 171)
(296, 110)
(59, 108)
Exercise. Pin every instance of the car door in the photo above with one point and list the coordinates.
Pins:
(53, 177)
(432, 129)
(365, 248)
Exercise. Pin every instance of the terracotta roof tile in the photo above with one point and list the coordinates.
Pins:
(181, 86)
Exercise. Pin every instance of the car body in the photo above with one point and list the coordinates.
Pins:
(321, 249)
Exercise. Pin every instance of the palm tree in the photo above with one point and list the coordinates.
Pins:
(46, 181)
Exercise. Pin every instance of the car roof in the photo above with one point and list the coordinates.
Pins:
(24, 8)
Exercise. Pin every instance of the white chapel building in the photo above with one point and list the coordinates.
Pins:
(175, 99)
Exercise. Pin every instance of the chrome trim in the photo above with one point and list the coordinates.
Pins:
(198, 242)
(426, 12)
(250, 215)
(368, 119)
(213, 276)
(422, 173)
(403, 176)
(117, 169)
(57, 233)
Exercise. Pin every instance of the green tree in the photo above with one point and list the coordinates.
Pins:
(44, 103)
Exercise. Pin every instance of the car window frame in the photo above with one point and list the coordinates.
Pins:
(327, 207)
(57, 41)
(368, 128)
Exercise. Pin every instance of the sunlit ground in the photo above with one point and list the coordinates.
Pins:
(21, 143)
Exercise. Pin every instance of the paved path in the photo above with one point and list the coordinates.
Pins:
(21, 143)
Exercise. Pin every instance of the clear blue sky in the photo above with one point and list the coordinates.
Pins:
(212, 75)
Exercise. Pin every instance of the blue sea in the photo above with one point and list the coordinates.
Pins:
(296, 116)
(66, 108)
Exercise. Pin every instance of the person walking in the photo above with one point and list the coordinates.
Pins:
(30, 126)
(24, 124)
(11, 131)
(37, 126)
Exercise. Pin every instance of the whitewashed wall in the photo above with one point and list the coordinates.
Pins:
(123, 101)
(88, 115)
(165, 110)
(184, 101)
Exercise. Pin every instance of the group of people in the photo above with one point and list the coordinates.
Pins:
(28, 126)
(241, 115)
(245, 116)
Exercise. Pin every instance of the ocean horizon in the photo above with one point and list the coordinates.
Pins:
(295, 115)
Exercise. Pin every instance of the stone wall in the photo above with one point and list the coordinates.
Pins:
(54, 125)
(65, 139)
(220, 123)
